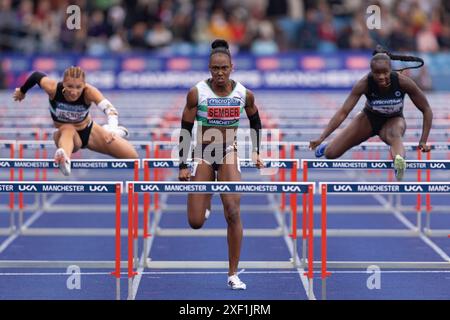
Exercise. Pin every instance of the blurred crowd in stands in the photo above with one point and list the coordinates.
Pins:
(189, 26)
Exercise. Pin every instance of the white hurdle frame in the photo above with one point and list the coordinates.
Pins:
(72, 187)
(120, 164)
(135, 187)
(346, 188)
(307, 164)
(168, 163)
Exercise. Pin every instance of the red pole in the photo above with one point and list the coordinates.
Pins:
(21, 177)
(146, 201)
(36, 156)
(311, 239)
(136, 201)
(11, 178)
(419, 179)
(305, 202)
(428, 196)
(293, 198)
(324, 232)
(283, 178)
(44, 156)
(116, 273)
(131, 273)
(155, 174)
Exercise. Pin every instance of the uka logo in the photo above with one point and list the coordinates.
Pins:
(342, 188)
(291, 189)
(379, 165)
(27, 188)
(148, 188)
(98, 188)
(161, 164)
(320, 164)
(119, 165)
(413, 188)
(437, 165)
(4, 164)
(275, 164)
(220, 188)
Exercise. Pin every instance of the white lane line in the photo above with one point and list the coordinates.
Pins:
(27, 223)
(18, 274)
(300, 271)
(402, 218)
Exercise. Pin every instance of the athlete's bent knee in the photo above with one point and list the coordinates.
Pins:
(196, 223)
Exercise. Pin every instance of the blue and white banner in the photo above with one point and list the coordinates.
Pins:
(376, 187)
(219, 187)
(75, 164)
(244, 163)
(297, 71)
(375, 164)
(59, 187)
(408, 147)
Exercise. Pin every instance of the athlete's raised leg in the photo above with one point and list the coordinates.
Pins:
(392, 134)
(118, 148)
(68, 141)
(359, 130)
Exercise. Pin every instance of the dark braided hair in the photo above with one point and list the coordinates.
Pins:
(379, 49)
(220, 46)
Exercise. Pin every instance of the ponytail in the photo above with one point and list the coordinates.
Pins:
(396, 57)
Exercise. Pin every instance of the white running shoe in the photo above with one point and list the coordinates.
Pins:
(207, 213)
(235, 283)
(120, 131)
(62, 161)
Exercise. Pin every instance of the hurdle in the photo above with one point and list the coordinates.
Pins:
(158, 163)
(216, 187)
(85, 187)
(115, 164)
(11, 145)
(308, 164)
(346, 188)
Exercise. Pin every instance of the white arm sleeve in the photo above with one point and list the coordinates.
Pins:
(110, 111)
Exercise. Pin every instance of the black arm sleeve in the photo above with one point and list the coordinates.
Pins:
(255, 133)
(185, 142)
(32, 80)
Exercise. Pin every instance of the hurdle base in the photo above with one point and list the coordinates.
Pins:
(57, 264)
(82, 232)
(216, 232)
(384, 265)
(218, 264)
(367, 232)
(436, 232)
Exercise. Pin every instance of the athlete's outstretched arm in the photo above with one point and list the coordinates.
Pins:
(420, 101)
(358, 89)
(255, 127)
(187, 123)
(39, 78)
(94, 95)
